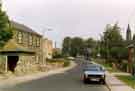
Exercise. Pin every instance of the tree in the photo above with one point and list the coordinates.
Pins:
(90, 43)
(66, 48)
(5, 29)
(57, 54)
(72, 46)
(112, 42)
(119, 53)
(112, 36)
(91, 47)
(77, 46)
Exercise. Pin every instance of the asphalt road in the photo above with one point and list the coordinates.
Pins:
(68, 81)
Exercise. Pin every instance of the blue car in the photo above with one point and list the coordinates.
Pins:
(94, 72)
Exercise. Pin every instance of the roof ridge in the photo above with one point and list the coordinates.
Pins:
(23, 27)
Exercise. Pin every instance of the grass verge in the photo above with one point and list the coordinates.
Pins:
(129, 80)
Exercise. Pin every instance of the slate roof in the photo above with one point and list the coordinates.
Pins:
(24, 28)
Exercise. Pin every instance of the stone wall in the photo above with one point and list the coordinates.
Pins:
(26, 62)
(2, 64)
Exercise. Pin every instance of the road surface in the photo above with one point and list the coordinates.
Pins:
(68, 81)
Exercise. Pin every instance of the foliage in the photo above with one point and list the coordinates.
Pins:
(129, 80)
(103, 52)
(119, 53)
(112, 35)
(107, 65)
(66, 46)
(90, 43)
(66, 63)
(5, 29)
(112, 44)
(57, 54)
(78, 46)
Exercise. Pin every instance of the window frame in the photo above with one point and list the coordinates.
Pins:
(38, 42)
(20, 37)
(30, 39)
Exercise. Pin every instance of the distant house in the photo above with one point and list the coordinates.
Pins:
(25, 40)
(48, 48)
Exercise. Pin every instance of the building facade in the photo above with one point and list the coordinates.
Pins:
(48, 48)
(29, 40)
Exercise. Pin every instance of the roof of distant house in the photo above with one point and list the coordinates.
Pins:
(24, 28)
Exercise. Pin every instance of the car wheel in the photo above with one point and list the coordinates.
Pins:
(85, 81)
(103, 81)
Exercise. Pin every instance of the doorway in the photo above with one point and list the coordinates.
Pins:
(12, 62)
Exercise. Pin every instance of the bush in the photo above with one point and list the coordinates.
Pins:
(57, 55)
(54, 60)
(66, 63)
(119, 53)
(124, 67)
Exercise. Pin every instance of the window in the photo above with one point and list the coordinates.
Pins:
(38, 42)
(30, 40)
(34, 42)
(20, 37)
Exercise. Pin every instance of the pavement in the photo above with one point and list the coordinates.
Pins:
(58, 80)
(115, 84)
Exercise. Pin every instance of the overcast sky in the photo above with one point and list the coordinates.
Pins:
(86, 18)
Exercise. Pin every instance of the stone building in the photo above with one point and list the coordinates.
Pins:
(24, 40)
(48, 48)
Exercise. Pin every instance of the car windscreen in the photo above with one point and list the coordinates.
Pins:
(93, 68)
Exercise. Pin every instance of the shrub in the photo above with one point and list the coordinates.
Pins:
(57, 55)
(66, 63)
